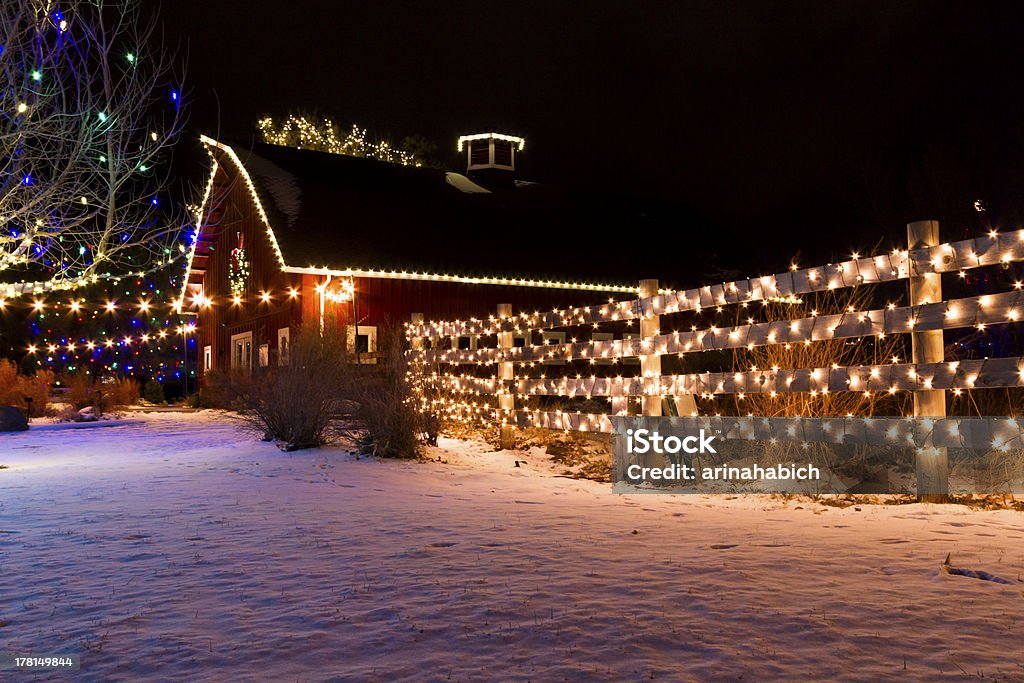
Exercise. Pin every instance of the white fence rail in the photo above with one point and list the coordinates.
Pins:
(496, 382)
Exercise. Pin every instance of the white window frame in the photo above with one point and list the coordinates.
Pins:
(284, 344)
(207, 358)
(553, 338)
(371, 342)
(241, 342)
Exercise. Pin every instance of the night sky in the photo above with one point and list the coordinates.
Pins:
(810, 126)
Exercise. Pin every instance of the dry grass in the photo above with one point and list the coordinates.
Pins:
(821, 354)
(84, 390)
(15, 387)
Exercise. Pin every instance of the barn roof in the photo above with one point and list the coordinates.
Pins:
(339, 212)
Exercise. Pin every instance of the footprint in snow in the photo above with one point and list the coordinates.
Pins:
(723, 546)
(440, 544)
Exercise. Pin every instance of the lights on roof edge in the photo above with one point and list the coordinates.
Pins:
(520, 142)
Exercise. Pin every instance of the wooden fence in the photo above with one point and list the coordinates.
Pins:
(488, 380)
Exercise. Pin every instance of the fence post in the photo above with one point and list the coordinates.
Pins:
(506, 399)
(928, 347)
(650, 366)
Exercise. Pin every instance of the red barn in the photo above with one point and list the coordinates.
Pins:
(290, 237)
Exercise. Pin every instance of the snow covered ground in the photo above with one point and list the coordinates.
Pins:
(178, 548)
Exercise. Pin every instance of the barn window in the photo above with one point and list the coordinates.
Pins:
(241, 351)
(283, 341)
(518, 340)
(264, 355)
(207, 358)
(363, 340)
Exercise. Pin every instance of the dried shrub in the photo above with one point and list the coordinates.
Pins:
(121, 392)
(79, 390)
(15, 387)
(820, 354)
(83, 390)
(386, 406)
(294, 403)
(217, 390)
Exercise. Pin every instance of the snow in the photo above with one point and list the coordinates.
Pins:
(464, 184)
(176, 547)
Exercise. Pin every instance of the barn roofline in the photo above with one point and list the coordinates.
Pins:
(210, 143)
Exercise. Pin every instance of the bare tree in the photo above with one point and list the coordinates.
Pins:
(89, 111)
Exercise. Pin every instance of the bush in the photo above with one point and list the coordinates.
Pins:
(120, 392)
(15, 387)
(83, 390)
(217, 391)
(386, 407)
(154, 392)
(78, 389)
(294, 403)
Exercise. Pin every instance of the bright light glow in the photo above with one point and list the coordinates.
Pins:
(521, 142)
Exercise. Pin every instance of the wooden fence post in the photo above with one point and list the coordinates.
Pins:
(650, 366)
(928, 347)
(506, 399)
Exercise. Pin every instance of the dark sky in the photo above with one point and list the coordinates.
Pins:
(797, 125)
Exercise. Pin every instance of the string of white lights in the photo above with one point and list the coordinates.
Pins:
(993, 249)
(977, 311)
